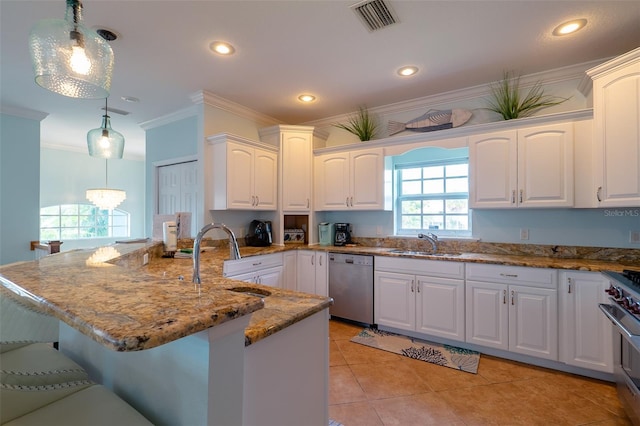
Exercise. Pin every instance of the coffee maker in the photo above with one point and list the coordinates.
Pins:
(342, 234)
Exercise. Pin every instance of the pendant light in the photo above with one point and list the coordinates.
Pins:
(104, 142)
(69, 58)
(105, 198)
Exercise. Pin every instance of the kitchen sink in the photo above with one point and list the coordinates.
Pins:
(251, 291)
(421, 253)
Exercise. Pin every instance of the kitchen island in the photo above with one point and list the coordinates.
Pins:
(176, 352)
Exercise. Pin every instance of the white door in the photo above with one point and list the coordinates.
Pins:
(271, 277)
(585, 333)
(367, 180)
(332, 181)
(394, 300)
(296, 171)
(322, 278)
(493, 170)
(240, 177)
(545, 166)
(306, 272)
(533, 321)
(265, 180)
(289, 278)
(487, 321)
(178, 190)
(440, 307)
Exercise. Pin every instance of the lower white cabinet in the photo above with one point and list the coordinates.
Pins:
(266, 270)
(312, 272)
(430, 301)
(513, 308)
(289, 278)
(585, 333)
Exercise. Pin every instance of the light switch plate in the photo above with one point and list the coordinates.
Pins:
(634, 237)
(524, 234)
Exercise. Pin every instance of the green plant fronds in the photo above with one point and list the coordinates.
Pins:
(508, 102)
(362, 125)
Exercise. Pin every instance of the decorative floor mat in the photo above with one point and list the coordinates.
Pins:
(435, 353)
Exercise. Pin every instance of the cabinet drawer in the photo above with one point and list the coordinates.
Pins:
(250, 264)
(534, 277)
(432, 268)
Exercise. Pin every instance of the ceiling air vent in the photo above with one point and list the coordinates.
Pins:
(375, 14)
(116, 111)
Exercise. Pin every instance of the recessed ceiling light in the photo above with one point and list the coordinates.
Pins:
(306, 98)
(569, 27)
(407, 71)
(222, 48)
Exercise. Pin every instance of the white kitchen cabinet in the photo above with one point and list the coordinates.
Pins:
(616, 113)
(351, 180)
(244, 174)
(420, 295)
(585, 333)
(312, 273)
(266, 269)
(529, 167)
(289, 277)
(513, 308)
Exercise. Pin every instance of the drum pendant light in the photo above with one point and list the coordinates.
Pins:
(105, 198)
(104, 142)
(69, 58)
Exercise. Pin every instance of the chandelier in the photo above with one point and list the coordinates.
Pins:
(69, 58)
(105, 198)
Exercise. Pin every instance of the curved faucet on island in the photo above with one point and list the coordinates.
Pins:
(234, 252)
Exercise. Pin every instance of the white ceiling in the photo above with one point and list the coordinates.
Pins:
(285, 48)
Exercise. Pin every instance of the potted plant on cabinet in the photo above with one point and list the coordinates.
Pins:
(363, 125)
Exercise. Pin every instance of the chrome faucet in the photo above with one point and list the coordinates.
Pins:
(234, 252)
(432, 238)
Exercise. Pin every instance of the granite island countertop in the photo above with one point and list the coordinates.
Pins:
(131, 309)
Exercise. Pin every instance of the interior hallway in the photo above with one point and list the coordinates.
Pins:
(372, 387)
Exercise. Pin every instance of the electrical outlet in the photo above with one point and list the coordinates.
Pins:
(524, 234)
(379, 230)
(634, 237)
(145, 258)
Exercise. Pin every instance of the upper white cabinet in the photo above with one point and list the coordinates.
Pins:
(244, 174)
(350, 180)
(616, 110)
(530, 167)
(296, 164)
(585, 334)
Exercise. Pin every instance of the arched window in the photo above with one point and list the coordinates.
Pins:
(77, 221)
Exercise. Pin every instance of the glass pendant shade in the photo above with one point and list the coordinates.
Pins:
(69, 58)
(104, 142)
(105, 198)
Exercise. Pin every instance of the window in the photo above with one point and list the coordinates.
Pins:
(433, 196)
(77, 221)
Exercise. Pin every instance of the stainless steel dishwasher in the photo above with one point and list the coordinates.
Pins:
(351, 287)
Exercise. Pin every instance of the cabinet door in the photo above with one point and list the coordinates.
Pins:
(289, 278)
(545, 166)
(440, 307)
(487, 321)
(616, 111)
(533, 321)
(248, 277)
(271, 277)
(367, 180)
(305, 271)
(265, 180)
(332, 181)
(394, 300)
(585, 333)
(296, 171)
(240, 176)
(321, 273)
(493, 174)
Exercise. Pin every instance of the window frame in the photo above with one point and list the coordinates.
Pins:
(103, 222)
(399, 198)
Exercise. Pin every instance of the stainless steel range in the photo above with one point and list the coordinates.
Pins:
(623, 310)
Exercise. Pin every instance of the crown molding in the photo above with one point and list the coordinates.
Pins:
(554, 76)
(211, 99)
(23, 113)
(170, 118)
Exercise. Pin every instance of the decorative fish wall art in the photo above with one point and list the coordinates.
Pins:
(432, 120)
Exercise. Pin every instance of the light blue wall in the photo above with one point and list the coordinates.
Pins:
(66, 175)
(19, 187)
(174, 140)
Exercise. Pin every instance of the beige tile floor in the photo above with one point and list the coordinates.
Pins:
(371, 387)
